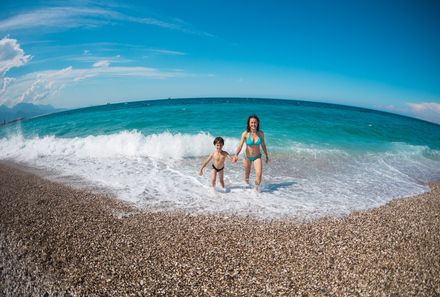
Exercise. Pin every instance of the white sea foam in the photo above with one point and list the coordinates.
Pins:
(124, 144)
(159, 171)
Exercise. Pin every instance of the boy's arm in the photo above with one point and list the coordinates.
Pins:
(230, 158)
(204, 164)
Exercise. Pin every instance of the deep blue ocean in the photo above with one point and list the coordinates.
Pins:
(324, 159)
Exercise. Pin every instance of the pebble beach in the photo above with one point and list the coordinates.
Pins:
(59, 241)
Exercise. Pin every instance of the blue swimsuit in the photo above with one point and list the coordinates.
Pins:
(250, 142)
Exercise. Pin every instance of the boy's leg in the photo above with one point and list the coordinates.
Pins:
(247, 169)
(258, 166)
(213, 178)
(222, 181)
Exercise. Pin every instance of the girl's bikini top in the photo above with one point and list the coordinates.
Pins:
(250, 142)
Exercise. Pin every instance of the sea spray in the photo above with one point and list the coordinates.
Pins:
(324, 160)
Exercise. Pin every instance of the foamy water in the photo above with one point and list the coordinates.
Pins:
(159, 172)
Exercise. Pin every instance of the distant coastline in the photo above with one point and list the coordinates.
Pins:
(23, 111)
(9, 122)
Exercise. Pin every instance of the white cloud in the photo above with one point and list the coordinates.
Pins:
(39, 86)
(5, 82)
(62, 18)
(388, 107)
(168, 52)
(425, 106)
(93, 59)
(429, 111)
(11, 55)
(36, 87)
(392, 108)
(58, 18)
(102, 63)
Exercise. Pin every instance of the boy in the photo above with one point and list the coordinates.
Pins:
(218, 164)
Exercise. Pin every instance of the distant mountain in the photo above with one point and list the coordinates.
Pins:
(24, 111)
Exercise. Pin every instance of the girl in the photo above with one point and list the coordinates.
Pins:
(254, 138)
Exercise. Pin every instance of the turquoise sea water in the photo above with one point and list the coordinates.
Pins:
(325, 159)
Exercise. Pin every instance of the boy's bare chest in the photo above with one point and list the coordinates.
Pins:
(218, 157)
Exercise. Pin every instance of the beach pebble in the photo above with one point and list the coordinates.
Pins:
(59, 241)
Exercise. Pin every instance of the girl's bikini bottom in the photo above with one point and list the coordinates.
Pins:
(254, 158)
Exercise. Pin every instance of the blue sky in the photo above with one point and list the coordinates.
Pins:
(376, 54)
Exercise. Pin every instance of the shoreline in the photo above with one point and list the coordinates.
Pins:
(56, 239)
(82, 185)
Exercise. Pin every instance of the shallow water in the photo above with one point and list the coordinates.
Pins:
(324, 159)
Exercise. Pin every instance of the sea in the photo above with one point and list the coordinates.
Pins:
(325, 159)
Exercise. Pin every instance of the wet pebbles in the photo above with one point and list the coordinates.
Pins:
(58, 241)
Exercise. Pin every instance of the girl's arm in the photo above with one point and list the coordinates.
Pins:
(240, 145)
(205, 163)
(263, 145)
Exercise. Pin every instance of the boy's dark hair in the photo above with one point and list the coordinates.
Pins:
(254, 116)
(219, 139)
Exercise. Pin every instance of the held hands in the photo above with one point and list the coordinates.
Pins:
(234, 159)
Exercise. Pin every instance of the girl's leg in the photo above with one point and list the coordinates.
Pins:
(222, 181)
(247, 170)
(258, 166)
(213, 178)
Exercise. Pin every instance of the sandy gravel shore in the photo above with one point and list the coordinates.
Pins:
(66, 242)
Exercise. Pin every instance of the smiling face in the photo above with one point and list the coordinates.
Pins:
(253, 124)
(218, 146)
